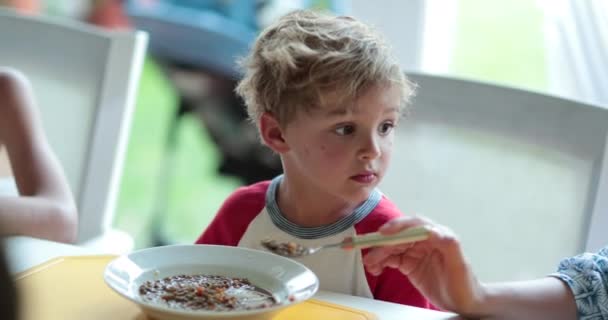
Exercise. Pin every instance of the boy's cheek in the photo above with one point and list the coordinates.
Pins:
(333, 151)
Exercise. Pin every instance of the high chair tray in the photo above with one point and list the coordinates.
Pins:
(69, 288)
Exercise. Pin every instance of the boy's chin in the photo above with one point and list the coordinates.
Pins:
(360, 195)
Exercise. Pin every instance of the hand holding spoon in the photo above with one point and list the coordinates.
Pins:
(294, 250)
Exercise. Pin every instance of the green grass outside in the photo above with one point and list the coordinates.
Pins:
(502, 42)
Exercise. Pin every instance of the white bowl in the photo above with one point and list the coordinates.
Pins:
(288, 281)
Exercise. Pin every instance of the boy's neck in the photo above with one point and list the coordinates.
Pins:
(308, 208)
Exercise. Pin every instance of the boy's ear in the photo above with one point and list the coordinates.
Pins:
(272, 133)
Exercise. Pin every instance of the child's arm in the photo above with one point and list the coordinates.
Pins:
(45, 207)
(438, 269)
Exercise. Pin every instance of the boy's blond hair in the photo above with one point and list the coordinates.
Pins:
(306, 55)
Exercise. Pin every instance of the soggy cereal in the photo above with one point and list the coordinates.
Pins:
(287, 249)
(206, 292)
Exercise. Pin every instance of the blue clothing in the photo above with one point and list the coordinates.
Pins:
(587, 276)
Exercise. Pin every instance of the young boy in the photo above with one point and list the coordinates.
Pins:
(326, 94)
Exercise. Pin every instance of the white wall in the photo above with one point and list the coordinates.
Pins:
(420, 31)
(402, 22)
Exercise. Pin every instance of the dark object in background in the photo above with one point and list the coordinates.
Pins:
(8, 293)
(197, 43)
(224, 117)
(211, 99)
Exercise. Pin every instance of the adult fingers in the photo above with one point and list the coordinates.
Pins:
(405, 260)
(400, 224)
(405, 263)
(375, 268)
(377, 255)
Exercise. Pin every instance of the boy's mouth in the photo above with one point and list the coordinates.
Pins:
(365, 177)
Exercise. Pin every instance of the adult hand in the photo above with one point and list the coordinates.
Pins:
(436, 266)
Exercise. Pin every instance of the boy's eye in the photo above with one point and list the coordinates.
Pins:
(386, 128)
(345, 130)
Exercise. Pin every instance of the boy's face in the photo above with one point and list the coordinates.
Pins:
(341, 151)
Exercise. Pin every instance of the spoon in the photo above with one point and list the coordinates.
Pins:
(294, 250)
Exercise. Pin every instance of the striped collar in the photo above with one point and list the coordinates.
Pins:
(279, 220)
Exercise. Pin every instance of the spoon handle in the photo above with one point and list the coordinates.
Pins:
(376, 239)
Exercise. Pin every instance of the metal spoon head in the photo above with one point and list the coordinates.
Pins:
(286, 249)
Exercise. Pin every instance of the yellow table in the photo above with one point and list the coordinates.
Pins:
(25, 253)
(69, 288)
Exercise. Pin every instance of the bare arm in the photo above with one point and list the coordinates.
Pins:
(548, 298)
(45, 207)
(440, 271)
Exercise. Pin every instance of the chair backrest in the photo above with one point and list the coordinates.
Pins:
(520, 176)
(85, 81)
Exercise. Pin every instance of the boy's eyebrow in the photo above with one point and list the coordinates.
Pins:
(337, 112)
(343, 111)
(391, 110)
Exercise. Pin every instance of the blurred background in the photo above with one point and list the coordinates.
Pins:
(190, 144)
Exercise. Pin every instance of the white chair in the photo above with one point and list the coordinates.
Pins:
(520, 176)
(85, 79)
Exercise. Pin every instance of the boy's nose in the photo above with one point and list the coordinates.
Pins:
(370, 148)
